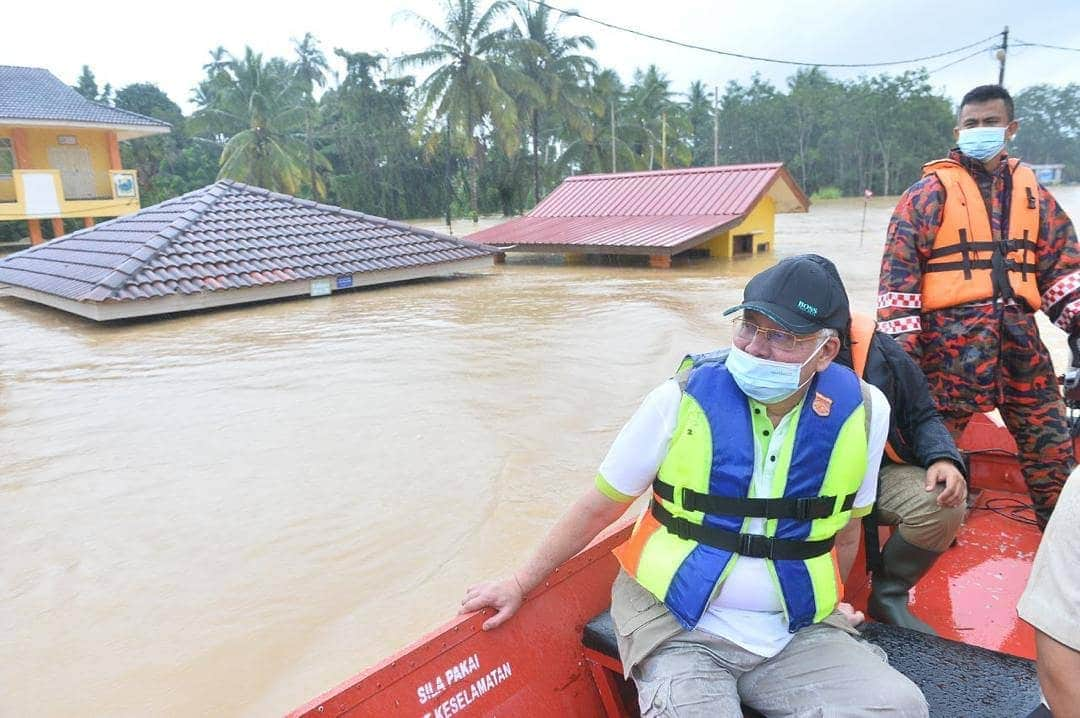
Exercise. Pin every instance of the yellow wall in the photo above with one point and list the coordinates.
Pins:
(37, 142)
(761, 222)
(7, 186)
(40, 139)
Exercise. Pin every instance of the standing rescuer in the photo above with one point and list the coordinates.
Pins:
(974, 248)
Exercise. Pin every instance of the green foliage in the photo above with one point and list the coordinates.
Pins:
(871, 133)
(1049, 127)
(472, 83)
(513, 105)
(260, 105)
(87, 86)
(827, 193)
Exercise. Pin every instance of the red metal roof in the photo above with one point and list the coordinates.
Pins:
(667, 209)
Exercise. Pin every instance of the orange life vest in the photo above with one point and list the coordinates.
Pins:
(966, 263)
(862, 330)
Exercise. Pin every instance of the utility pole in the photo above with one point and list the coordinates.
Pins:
(448, 187)
(715, 126)
(663, 140)
(613, 135)
(1001, 55)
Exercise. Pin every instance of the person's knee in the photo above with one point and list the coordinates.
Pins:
(930, 526)
(681, 680)
(906, 698)
(894, 694)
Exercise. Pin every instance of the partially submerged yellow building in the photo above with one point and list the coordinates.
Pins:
(719, 211)
(60, 153)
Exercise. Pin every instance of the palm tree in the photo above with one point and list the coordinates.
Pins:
(656, 114)
(699, 112)
(219, 61)
(263, 99)
(311, 69)
(551, 62)
(605, 147)
(472, 84)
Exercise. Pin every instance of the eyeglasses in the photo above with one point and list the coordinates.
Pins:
(745, 331)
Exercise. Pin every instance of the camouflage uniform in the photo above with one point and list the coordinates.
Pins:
(988, 354)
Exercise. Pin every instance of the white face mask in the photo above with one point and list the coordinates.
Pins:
(766, 380)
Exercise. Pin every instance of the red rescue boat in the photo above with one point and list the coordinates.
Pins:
(555, 657)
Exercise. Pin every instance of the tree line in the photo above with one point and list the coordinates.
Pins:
(511, 103)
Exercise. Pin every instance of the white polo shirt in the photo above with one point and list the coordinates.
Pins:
(748, 608)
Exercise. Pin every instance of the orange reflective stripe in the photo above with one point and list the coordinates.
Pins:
(836, 570)
(629, 552)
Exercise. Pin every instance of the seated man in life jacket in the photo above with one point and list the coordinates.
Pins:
(921, 486)
(729, 586)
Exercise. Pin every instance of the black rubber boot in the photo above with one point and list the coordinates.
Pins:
(902, 566)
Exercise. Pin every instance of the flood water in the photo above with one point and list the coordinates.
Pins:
(229, 513)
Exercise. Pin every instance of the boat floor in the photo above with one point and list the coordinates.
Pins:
(970, 594)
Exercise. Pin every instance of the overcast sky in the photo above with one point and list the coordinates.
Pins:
(146, 43)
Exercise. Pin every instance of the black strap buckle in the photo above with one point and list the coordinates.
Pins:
(687, 499)
(755, 546)
(804, 509)
(680, 527)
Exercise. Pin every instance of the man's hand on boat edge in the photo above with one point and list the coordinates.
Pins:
(583, 520)
(504, 595)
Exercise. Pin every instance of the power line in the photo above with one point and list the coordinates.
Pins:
(728, 53)
(1023, 43)
(980, 51)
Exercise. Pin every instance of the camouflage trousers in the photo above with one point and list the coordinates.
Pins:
(1044, 446)
(981, 356)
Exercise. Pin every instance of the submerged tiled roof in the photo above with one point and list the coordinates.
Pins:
(227, 235)
(635, 210)
(31, 93)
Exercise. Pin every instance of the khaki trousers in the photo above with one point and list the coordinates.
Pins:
(903, 502)
(823, 671)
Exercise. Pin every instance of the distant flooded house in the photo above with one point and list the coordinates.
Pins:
(227, 243)
(702, 211)
(1049, 174)
(60, 153)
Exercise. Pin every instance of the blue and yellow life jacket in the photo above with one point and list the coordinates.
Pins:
(686, 544)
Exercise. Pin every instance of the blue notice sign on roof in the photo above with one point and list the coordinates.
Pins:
(344, 281)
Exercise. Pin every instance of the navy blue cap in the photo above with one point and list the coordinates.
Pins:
(803, 294)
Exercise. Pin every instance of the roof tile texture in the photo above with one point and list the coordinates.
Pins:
(225, 236)
(31, 93)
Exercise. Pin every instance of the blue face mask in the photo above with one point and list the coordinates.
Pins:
(981, 143)
(765, 380)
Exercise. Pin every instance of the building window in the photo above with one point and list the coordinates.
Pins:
(7, 158)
